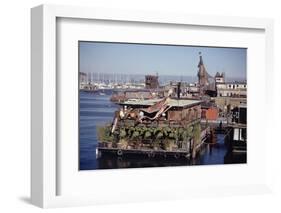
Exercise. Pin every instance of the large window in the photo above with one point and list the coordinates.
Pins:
(240, 134)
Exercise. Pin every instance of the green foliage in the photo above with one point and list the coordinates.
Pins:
(104, 134)
(155, 134)
(147, 134)
(197, 133)
(135, 134)
(168, 145)
(190, 131)
(122, 133)
(171, 135)
(159, 135)
(180, 131)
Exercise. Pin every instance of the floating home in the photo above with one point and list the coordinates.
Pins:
(163, 127)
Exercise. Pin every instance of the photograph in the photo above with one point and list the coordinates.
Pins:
(161, 105)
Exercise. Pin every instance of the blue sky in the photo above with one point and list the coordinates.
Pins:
(144, 59)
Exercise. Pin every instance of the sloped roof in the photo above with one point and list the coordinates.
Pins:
(171, 102)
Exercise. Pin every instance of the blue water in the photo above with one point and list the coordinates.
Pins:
(96, 110)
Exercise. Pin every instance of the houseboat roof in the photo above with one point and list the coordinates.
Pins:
(172, 102)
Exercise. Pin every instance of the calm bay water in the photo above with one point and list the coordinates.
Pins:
(96, 109)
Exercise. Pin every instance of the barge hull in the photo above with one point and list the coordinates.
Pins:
(147, 152)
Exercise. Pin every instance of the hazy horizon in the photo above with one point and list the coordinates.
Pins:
(166, 60)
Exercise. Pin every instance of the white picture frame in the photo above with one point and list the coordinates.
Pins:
(44, 153)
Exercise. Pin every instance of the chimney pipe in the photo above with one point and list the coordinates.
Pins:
(179, 90)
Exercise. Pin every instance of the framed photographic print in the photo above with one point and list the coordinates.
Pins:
(150, 106)
(129, 119)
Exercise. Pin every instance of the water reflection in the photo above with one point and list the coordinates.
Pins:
(210, 154)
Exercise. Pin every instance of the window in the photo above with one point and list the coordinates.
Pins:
(236, 134)
(239, 134)
(243, 134)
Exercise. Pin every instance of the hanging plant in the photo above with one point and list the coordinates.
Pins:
(197, 133)
(181, 133)
(176, 134)
(184, 135)
(190, 131)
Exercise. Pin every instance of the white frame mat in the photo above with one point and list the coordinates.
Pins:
(44, 87)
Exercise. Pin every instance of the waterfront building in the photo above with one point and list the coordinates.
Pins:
(237, 128)
(232, 89)
(151, 82)
(209, 111)
(227, 103)
(220, 77)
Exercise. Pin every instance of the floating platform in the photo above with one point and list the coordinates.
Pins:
(148, 152)
(178, 153)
